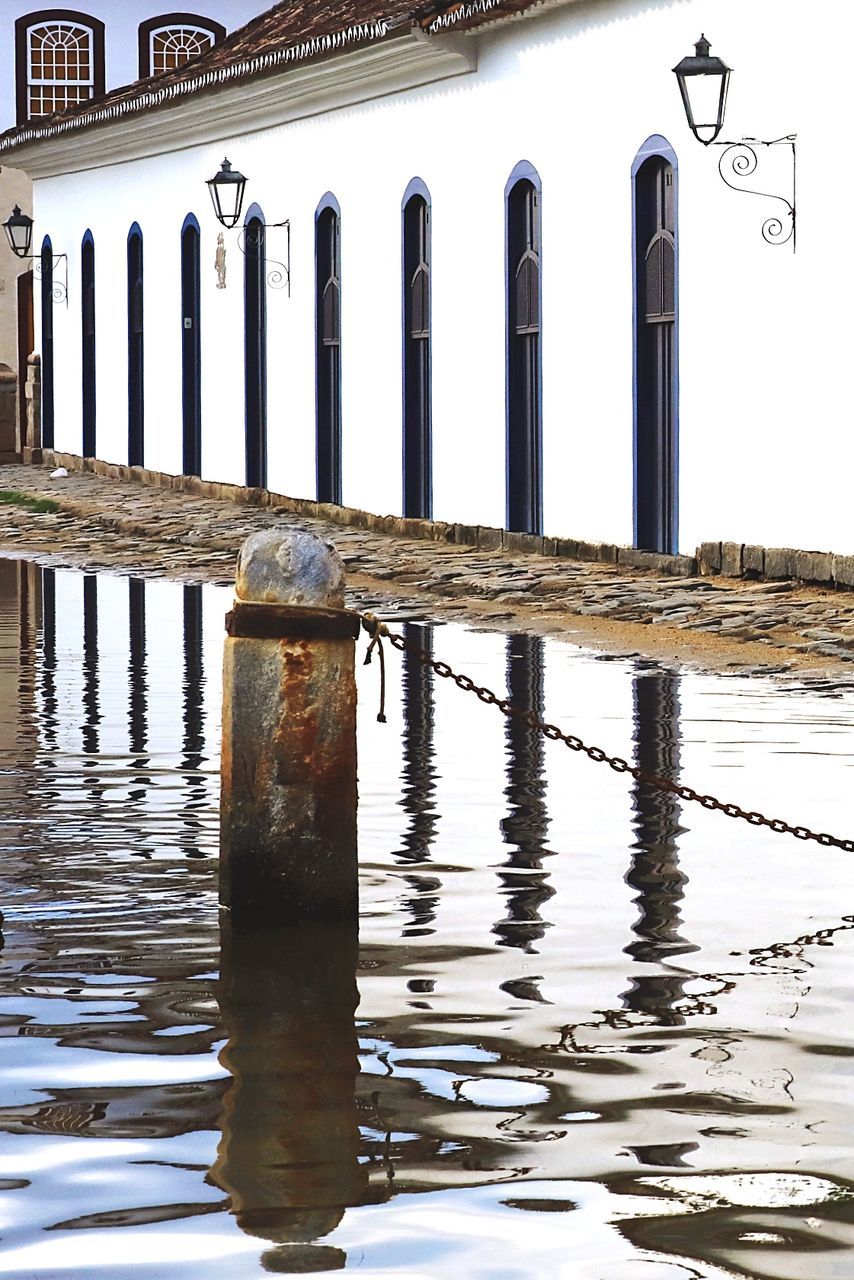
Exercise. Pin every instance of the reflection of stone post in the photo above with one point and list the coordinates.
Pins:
(10, 445)
(288, 1158)
(288, 826)
(32, 446)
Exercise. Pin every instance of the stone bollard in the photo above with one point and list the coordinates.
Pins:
(288, 811)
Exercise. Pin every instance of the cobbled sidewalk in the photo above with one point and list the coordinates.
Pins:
(110, 525)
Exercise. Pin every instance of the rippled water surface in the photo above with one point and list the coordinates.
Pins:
(584, 1031)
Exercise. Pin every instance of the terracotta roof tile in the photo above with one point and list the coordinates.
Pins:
(292, 31)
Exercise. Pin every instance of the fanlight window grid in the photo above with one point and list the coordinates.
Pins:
(171, 47)
(61, 67)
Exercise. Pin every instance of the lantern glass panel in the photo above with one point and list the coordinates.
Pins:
(707, 94)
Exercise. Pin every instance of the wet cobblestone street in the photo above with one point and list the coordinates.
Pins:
(105, 524)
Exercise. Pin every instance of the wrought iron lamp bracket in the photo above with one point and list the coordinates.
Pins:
(280, 276)
(59, 287)
(740, 160)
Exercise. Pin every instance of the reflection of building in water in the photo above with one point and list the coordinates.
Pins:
(20, 616)
(524, 883)
(289, 1154)
(193, 744)
(655, 871)
(419, 780)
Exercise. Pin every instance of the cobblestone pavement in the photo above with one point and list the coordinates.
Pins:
(768, 626)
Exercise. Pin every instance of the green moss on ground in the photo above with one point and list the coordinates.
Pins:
(13, 499)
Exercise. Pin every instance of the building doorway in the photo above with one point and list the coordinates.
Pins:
(524, 354)
(26, 342)
(255, 350)
(191, 349)
(87, 297)
(656, 374)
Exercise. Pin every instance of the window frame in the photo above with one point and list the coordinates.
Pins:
(45, 17)
(164, 21)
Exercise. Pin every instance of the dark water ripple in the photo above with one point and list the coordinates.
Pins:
(571, 1005)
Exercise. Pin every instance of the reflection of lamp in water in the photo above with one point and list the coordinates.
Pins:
(288, 1157)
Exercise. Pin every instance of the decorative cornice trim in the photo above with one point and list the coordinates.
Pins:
(404, 60)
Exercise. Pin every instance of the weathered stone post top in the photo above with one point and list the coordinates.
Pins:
(290, 567)
(288, 812)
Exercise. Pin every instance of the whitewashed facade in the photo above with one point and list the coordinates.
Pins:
(109, 44)
(576, 90)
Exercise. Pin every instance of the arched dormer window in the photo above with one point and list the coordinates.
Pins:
(59, 56)
(172, 39)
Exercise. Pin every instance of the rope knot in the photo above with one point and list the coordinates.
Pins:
(376, 630)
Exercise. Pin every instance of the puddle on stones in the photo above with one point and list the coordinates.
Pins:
(584, 1030)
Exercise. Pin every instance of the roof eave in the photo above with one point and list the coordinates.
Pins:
(401, 60)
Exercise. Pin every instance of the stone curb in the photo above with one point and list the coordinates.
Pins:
(726, 559)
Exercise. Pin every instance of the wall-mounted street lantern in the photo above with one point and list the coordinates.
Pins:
(704, 83)
(227, 190)
(19, 232)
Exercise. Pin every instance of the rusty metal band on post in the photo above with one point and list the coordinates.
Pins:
(290, 622)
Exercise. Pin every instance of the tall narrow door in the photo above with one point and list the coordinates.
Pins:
(88, 337)
(47, 304)
(656, 431)
(328, 356)
(255, 348)
(417, 461)
(26, 342)
(191, 351)
(136, 354)
(524, 361)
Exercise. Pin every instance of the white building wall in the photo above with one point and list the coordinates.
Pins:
(765, 437)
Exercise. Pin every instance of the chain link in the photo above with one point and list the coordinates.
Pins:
(551, 731)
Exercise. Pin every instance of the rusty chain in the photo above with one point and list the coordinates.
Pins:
(377, 629)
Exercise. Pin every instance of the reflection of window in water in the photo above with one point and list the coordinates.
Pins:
(193, 745)
(49, 699)
(418, 780)
(654, 870)
(524, 885)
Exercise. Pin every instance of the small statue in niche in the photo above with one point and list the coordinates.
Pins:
(220, 261)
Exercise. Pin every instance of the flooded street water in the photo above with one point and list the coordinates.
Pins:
(584, 1031)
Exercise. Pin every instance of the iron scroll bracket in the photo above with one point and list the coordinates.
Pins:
(59, 285)
(739, 161)
(280, 275)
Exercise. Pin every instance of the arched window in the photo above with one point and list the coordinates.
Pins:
(59, 57)
(328, 348)
(191, 346)
(255, 348)
(87, 307)
(136, 351)
(172, 39)
(524, 355)
(655, 355)
(417, 462)
(47, 343)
